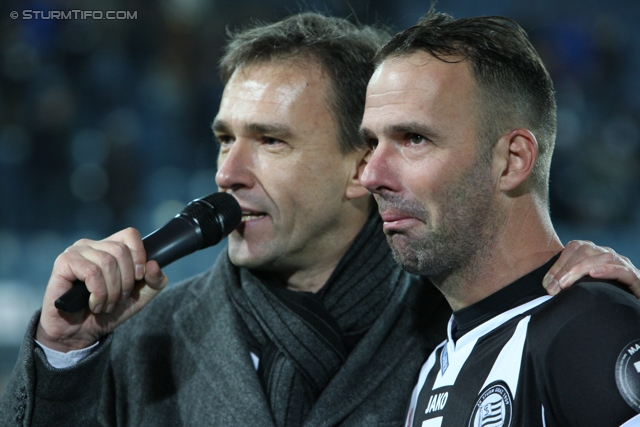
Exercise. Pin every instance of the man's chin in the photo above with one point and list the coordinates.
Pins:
(242, 262)
(411, 259)
(407, 264)
(242, 257)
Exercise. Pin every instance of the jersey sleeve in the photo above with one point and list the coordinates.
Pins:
(587, 355)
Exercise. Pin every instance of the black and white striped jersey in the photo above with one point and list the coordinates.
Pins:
(521, 358)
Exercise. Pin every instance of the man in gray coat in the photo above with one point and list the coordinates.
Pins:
(305, 320)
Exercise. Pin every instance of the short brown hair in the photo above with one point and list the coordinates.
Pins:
(344, 50)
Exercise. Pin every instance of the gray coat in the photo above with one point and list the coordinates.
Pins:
(183, 361)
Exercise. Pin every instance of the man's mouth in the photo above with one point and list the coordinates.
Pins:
(392, 215)
(249, 216)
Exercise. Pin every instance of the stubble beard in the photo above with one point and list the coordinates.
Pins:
(468, 220)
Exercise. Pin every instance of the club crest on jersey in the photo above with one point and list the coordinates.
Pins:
(628, 374)
(493, 407)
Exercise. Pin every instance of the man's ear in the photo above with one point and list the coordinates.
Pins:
(354, 188)
(516, 154)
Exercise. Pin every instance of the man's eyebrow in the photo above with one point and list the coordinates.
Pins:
(220, 126)
(275, 130)
(412, 127)
(426, 131)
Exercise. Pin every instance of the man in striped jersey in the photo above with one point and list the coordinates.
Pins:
(461, 115)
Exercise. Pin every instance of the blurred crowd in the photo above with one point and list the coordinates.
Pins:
(105, 123)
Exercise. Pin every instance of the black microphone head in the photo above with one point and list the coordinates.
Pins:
(218, 214)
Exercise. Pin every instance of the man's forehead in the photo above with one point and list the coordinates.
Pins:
(419, 79)
(278, 83)
(264, 85)
(422, 66)
(282, 70)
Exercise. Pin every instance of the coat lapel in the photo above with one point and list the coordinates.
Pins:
(374, 386)
(369, 365)
(226, 382)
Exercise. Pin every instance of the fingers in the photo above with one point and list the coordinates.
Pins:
(108, 267)
(132, 239)
(563, 264)
(108, 273)
(155, 281)
(154, 277)
(627, 274)
(584, 258)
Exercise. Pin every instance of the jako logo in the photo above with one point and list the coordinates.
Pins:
(437, 402)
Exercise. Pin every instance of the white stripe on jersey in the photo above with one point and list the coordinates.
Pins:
(433, 422)
(508, 363)
(633, 422)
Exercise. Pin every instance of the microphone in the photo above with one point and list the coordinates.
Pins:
(202, 223)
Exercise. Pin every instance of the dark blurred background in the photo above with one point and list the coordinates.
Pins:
(105, 123)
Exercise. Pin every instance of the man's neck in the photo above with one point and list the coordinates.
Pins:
(517, 293)
(526, 242)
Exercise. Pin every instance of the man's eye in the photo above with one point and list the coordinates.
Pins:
(372, 143)
(224, 139)
(417, 139)
(271, 141)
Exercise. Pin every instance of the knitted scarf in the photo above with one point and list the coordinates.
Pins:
(303, 339)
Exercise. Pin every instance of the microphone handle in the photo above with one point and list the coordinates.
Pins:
(179, 237)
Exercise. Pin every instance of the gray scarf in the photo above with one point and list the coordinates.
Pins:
(303, 339)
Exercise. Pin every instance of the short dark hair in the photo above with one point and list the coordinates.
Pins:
(344, 50)
(514, 87)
